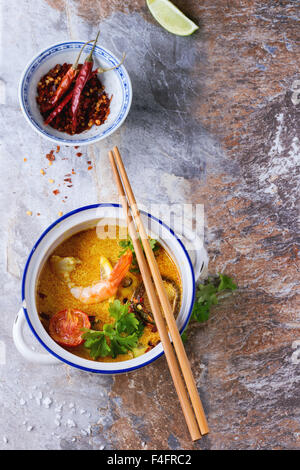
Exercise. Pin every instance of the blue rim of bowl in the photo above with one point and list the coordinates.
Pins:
(97, 371)
(34, 64)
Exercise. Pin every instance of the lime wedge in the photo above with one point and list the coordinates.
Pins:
(105, 268)
(171, 18)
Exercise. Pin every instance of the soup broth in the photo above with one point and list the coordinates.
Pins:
(54, 294)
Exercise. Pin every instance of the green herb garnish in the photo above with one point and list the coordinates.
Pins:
(208, 294)
(127, 244)
(123, 335)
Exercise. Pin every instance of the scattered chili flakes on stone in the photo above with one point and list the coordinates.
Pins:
(50, 156)
(90, 167)
(76, 147)
(38, 213)
(79, 154)
(57, 148)
(25, 159)
(42, 172)
(56, 192)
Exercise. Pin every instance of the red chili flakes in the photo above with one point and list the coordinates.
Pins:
(56, 192)
(89, 162)
(94, 104)
(76, 147)
(79, 154)
(68, 180)
(73, 172)
(57, 148)
(50, 157)
(90, 167)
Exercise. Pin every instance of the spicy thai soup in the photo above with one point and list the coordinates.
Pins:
(91, 299)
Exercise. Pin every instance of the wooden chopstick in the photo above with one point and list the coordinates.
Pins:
(171, 322)
(155, 306)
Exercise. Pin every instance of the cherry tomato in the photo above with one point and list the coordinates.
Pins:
(65, 327)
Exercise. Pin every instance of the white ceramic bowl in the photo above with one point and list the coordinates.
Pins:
(63, 228)
(117, 83)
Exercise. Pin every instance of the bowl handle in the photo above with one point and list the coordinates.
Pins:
(26, 351)
(198, 253)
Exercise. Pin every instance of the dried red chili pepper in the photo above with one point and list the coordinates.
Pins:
(59, 108)
(94, 105)
(80, 83)
(67, 79)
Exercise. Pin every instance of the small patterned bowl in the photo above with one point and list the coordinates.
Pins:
(116, 82)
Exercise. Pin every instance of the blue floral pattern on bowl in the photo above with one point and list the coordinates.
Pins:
(119, 82)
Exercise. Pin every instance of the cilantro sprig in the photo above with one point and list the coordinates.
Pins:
(208, 294)
(127, 244)
(117, 338)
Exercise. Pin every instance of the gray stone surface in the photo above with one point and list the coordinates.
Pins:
(56, 407)
(205, 127)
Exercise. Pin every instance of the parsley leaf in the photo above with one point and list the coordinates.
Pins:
(154, 244)
(207, 295)
(121, 344)
(96, 342)
(117, 310)
(127, 244)
(117, 338)
(226, 283)
(127, 324)
(201, 312)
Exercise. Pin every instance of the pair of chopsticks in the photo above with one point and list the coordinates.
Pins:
(184, 383)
